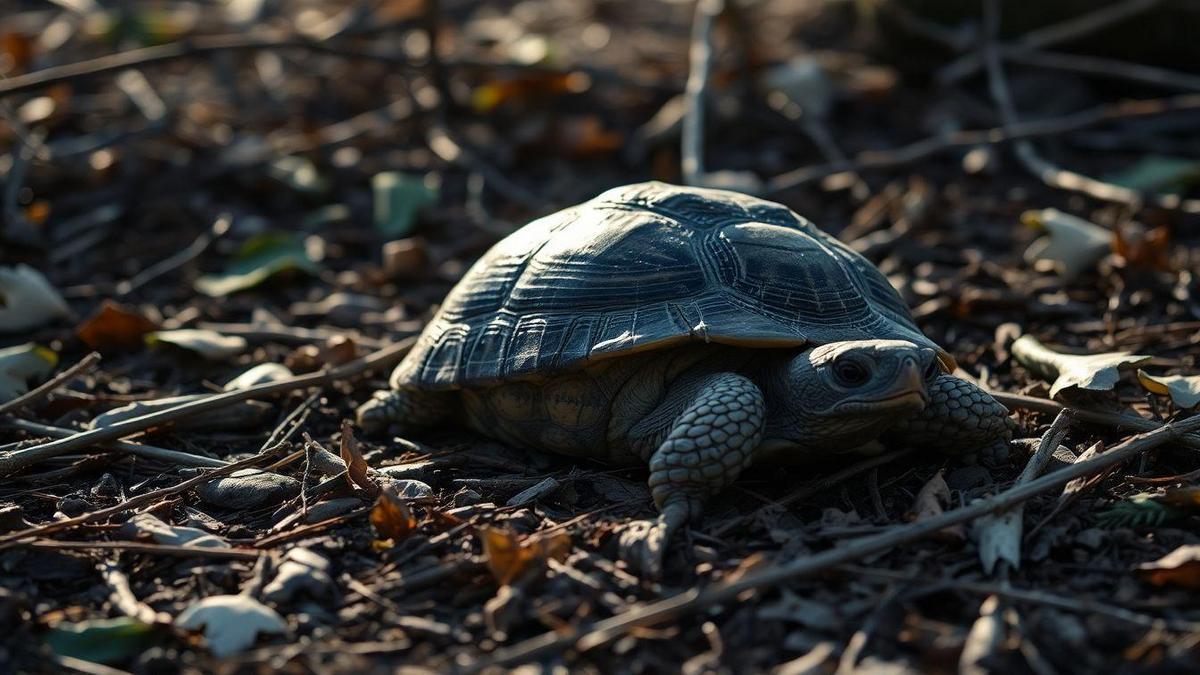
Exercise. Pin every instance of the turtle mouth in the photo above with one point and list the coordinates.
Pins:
(908, 400)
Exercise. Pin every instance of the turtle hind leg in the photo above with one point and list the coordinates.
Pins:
(706, 447)
(962, 420)
(410, 409)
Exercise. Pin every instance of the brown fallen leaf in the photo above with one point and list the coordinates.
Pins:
(1180, 567)
(115, 328)
(931, 501)
(356, 466)
(391, 516)
(508, 556)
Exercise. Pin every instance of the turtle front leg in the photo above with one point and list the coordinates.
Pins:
(405, 407)
(708, 444)
(960, 419)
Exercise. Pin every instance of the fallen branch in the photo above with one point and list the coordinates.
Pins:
(20, 459)
(696, 600)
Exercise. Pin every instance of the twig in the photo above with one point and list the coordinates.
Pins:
(813, 487)
(1107, 419)
(695, 94)
(294, 335)
(1047, 36)
(138, 449)
(695, 600)
(16, 538)
(152, 549)
(46, 388)
(1102, 67)
(178, 259)
(18, 460)
(1047, 171)
(1083, 606)
(122, 597)
(933, 145)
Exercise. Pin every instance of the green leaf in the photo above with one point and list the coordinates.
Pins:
(1183, 389)
(1098, 372)
(1157, 173)
(399, 197)
(20, 364)
(260, 258)
(101, 640)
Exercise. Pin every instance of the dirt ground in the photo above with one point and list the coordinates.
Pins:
(201, 188)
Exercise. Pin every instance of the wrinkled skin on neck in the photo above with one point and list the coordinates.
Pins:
(839, 396)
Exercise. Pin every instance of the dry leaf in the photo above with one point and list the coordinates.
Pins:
(1072, 245)
(356, 466)
(391, 517)
(1180, 567)
(207, 343)
(1097, 372)
(1184, 390)
(508, 557)
(27, 300)
(21, 364)
(1144, 249)
(932, 500)
(231, 622)
(260, 374)
(115, 327)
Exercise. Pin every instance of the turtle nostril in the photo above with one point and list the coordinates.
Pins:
(850, 372)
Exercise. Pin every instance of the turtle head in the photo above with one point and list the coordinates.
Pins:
(844, 394)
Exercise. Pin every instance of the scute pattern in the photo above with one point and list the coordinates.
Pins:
(648, 266)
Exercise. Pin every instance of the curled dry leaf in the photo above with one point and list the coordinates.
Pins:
(1097, 372)
(231, 623)
(1180, 567)
(302, 570)
(932, 500)
(1071, 246)
(356, 466)
(27, 300)
(1184, 390)
(391, 517)
(22, 364)
(206, 343)
(115, 328)
(508, 556)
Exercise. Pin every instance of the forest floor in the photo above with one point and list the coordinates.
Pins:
(198, 190)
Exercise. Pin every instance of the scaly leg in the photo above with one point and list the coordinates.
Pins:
(708, 445)
(408, 408)
(961, 419)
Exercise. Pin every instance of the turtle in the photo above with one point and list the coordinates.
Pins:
(690, 330)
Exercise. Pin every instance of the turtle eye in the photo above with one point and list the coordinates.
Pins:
(850, 373)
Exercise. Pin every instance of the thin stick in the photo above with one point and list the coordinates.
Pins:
(46, 388)
(1108, 419)
(696, 599)
(16, 538)
(1102, 67)
(138, 449)
(695, 94)
(152, 549)
(18, 460)
(178, 259)
(813, 487)
(934, 145)
(1047, 36)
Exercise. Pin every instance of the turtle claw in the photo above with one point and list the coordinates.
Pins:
(643, 546)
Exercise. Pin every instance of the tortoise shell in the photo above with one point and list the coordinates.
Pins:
(649, 266)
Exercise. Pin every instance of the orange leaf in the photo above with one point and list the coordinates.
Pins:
(115, 328)
(1180, 567)
(356, 466)
(391, 517)
(508, 557)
